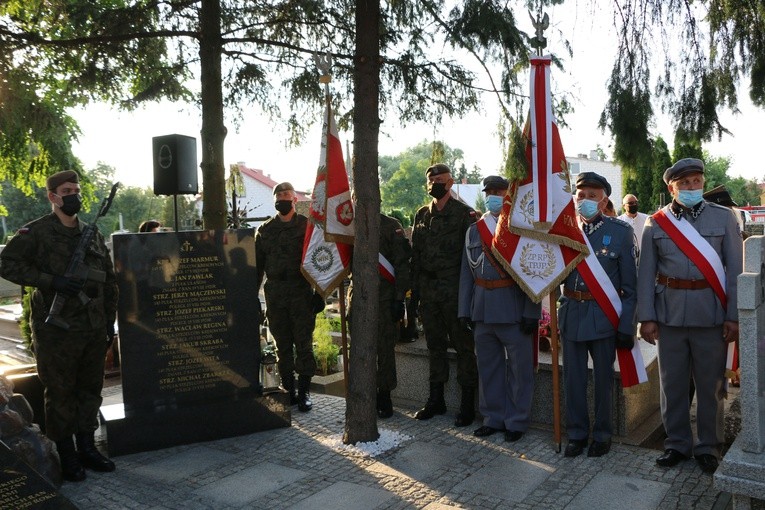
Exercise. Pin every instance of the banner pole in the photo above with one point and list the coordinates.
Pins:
(554, 338)
(344, 336)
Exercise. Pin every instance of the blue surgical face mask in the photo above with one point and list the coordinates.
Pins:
(587, 208)
(494, 203)
(690, 197)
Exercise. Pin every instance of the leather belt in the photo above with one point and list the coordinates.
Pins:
(679, 283)
(494, 284)
(578, 295)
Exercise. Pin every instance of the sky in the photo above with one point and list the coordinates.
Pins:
(123, 140)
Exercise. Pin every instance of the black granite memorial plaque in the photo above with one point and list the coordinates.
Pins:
(189, 337)
(21, 487)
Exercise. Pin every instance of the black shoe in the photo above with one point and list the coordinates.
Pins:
(90, 457)
(575, 447)
(599, 448)
(71, 469)
(707, 462)
(464, 419)
(485, 430)
(512, 436)
(430, 410)
(670, 458)
(304, 402)
(384, 404)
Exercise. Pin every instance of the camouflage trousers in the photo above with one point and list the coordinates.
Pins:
(442, 330)
(70, 365)
(291, 321)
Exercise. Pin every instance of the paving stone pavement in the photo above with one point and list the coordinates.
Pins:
(438, 467)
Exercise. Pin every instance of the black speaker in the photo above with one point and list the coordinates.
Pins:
(175, 165)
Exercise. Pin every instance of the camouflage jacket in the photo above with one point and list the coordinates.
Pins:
(279, 249)
(41, 250)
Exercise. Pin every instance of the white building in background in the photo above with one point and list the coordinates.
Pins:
(257, 200)
(608, 169)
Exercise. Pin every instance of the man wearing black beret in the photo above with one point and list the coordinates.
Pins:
(687, 302)
(70, 362)
(438, 237)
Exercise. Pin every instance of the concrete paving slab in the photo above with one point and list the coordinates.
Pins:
(441, 506)
(345, 496)
(521, 477)
(239, 488)
(422, 460)
(182, 465)
(613, 491)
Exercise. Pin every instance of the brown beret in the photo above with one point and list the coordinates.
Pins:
(283, 186)
(437, 169)
(59, 178)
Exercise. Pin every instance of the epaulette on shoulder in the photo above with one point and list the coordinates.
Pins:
(619, 222)
(717, 206)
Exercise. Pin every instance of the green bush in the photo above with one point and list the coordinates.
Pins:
(324, 350)
(25, 325)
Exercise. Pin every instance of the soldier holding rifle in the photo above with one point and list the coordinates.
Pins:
(70, 348)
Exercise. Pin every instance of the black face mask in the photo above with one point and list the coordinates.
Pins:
(632, 209)
(71, 205)
(283, 206)
(438, 190)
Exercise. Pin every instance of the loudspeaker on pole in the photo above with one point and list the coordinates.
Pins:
(175, 165)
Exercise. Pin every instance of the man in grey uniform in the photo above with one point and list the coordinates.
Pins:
(691, 258)
(503, 320)
(585, 324)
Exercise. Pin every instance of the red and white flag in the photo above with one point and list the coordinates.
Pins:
(328, 243)
(538, 240)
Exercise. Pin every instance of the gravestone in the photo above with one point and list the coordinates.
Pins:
(189, 341)
(21, 487)
(742, 471)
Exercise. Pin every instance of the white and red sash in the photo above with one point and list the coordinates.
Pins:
(631, 363)
(697, 249)
(486, 226)
(386, 269)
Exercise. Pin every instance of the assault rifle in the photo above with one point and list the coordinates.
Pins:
(77, 269)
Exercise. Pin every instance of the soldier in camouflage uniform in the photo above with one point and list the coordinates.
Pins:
(289, 298)
(70, 363)
(394, 284)
(438, 238)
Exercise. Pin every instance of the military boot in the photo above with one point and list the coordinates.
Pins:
(435, 404)
(90, 457)
(304, 397)
(384, 404)
(288, 383)
(467, 408)
(71, 469)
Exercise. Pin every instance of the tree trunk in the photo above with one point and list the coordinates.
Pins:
(361, 413)
(213, 131)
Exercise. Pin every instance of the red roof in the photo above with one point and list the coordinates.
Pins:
(266, 180)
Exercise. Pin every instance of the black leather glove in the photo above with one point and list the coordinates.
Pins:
(109, 334)
(67, 286)
(528, 326)
(397, 310)
(466, 324)
(317, 303)
(625, 341)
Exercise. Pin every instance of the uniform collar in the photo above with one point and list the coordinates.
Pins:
(590, 228)
(678, 210)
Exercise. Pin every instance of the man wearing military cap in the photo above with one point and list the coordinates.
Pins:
(70, 363)
(503, 319)
(585, 327)
(289, 297)
(687, 302)
(438, 237)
